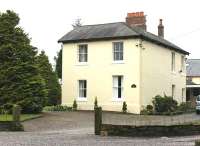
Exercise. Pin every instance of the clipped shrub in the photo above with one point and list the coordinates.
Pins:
(95, 103)
(74, 106)
(148, 110)
(124, 107)
(57, 108)
(164, 104)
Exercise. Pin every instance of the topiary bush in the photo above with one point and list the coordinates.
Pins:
(74, 106)
(95, 103)
(164, 104)
(124, 107)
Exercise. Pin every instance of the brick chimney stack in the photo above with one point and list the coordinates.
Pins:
(161, 29)
(137, 19)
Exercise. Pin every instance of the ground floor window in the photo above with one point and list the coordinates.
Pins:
(82, 88)
(117, 87)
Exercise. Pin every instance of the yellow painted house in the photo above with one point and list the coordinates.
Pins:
(120, 62)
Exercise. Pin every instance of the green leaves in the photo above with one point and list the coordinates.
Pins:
(20, 79)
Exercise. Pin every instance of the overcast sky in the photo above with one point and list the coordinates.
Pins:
(48, 20)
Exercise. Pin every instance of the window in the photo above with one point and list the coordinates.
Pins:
(82, 53)
(82, 88)
(118, 51)
(182, 63)
(173, 62)
(173, 91)
(117, 87)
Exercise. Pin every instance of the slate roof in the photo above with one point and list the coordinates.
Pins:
(118, 30)
(193, 67)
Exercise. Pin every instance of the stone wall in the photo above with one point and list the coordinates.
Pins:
(150, 131)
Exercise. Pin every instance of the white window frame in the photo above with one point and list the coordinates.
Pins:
(173, 62)
(84, 54)
(82, 98)
(117, 87)
(120, 52)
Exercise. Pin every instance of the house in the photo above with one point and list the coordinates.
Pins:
(193, 80)
(121, 62)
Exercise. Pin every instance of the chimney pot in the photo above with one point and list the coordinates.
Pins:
(161, 29)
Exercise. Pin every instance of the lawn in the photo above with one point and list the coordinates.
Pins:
(23, 117)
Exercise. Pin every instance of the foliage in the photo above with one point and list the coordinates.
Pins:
(197, 143)
(74, 106)
(57, 108)
(148, 110)
(186, 107)
(164, 104)
(23, 117)
(51, 80)
(58, 61)
(95, 103)
(124, 107)
(21, 82)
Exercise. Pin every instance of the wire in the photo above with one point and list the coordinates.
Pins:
(185, 34)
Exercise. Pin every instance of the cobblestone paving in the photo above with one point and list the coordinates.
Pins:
(76, 129)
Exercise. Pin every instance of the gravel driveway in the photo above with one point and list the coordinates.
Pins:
(76, 129)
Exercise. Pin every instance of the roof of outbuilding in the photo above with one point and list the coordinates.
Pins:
(118, 30)
(193, 67)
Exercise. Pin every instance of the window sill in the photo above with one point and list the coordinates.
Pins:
(82, 64)
(118, 62)
(81, 98)
(117, 99)
(173, 72)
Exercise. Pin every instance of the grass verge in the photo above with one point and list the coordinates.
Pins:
(23, 117)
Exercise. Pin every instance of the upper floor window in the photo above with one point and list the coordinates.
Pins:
(182, 63)
(82, 53)
(173, 62)
(118, 54)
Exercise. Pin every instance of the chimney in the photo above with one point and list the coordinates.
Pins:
(137, 19)
(161, 29)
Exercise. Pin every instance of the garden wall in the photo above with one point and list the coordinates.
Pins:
(137, 131)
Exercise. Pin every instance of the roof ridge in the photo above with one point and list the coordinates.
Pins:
(100, 24)
(193, 59)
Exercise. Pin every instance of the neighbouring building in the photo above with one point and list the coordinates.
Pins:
(121, 62)
(193, 79)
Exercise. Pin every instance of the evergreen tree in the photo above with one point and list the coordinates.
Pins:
(51, 79)
(20, 81)
(58, 60)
